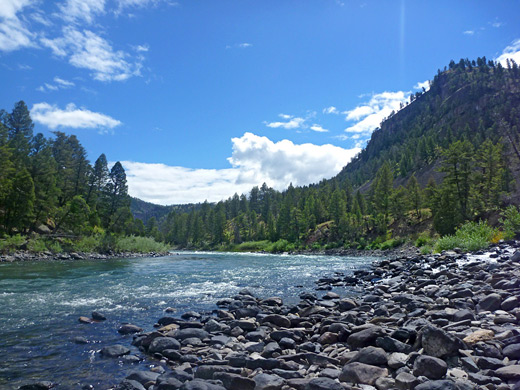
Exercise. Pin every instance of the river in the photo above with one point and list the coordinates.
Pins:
(41, 301)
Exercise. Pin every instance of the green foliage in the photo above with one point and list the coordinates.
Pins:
(10, 244)
(471, 236)
(36, 245)
(424, 239)
(281, 246)
(252, 246)
(510, 221)
(139, 245)
(54, 247)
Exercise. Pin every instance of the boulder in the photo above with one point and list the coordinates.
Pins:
(187, 333)
(438, 343)
(509, 373)
(114, 351)
(234, 381)
(277, 320)
(479, 335)
(200, 384)
(365, 338)
(371, 355)
(160, 344)
(323, 384)
(512, 351)
(430, 367)
(268, 382)
(362, 373)
(129, 328)
(406, 381)
(490, 302)
(143, 377)
(128, 384)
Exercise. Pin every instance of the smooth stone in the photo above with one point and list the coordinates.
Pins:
(405, 381)
(207, 371)
(512, 351)
(509, 303)
(438, 385)
(143, 377)
(200, 384)
(371, 355)
(187, 333)
(98, 316)
(234, 381)
(331, 373)
(129, 328)
(114, 351)
(362, 373)
(430, 367)
(323, 384)
(390, 344)
(490, 302)
(85, 320)
(45, 385)
(438, 343)
(129, 384)
(277, 320)
(159, 344)
(397, 360)
(365, 338)
(178, 374)
(268, 382)
(509, 373)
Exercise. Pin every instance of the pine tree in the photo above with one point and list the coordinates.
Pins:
(414, 195)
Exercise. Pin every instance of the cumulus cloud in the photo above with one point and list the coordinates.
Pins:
(512, 52)
(424, 84)
(72, 117)
(369, 115)
(254, 160)
(88, 50)
(292, 122)
(318, 128)
(82, 10)
(14, 33)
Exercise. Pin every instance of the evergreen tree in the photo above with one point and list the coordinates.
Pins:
(414, 195)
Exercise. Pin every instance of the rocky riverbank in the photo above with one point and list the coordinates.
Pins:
(34, 256)
(448, 321)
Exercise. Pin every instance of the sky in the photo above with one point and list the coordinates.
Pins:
(200, 99)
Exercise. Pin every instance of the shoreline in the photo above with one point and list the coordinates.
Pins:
(426, 322)
(35, 256)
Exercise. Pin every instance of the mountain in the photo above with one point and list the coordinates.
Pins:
(145, 210)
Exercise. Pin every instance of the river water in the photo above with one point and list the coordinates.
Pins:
(40, 303)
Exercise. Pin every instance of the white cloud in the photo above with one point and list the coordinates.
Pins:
(424, 84)
(318, 128)
(14, 33)
(512, 51)
(82, 10)
(88, 50)
(254, 160)
(370, 115)
(73, 117)
(142, 48)
(63, 83)
(244, 45)
(330, 110)
(469, 32)
(292, 122)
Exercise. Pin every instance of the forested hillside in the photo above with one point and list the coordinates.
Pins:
(449, 156)
(48, 186)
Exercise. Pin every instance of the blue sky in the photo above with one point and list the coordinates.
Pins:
(201, 99)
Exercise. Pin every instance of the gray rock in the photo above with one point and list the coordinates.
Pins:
(264, 364)
(114, 351)
(277, 320)
(200, 384)
(406, 381)
(268, 382)
(487, 363)
(246, 325)
(365, 337)
(143, 377)
(323, 384)
(129, 384)
(186, 333)
(512, 351)
(129, 328)
(98, 316)
(438, 385)
(45, 385)
(347, 304)
(234, 381)
(362, 373)
(159, 344)
(207, 371)
(438, 343)
(490, 302)
(464, 314)
(213, 326)
(397, 360)
(177, 374)
(507, 373)
(390, 344)
(509, 303)
(385, 383)
(430, 367)
(371, 355)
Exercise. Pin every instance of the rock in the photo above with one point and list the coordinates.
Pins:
(207, 371)
(234, 381)
(390, 344)
(85, 320)
(160, 344)
(98, 316)
(268, 382)
(264, 364)
(490, 302)
(143, 377)
(438, 385)
(177, 374)
(371, 355)
(362, 373)
(487, 363)
(397, 360)
(328, 338)
(277, 320)
(462, 315)
(114, 351)
(330, 373)
(512, 351)
(509, 303)
(273, 301)
(347, 304)
(430, 367)
(213, 326)
(186, 333)
(323, 384)
(406, 381)
(129, 328)
(509, 373)
(45, 385)
(200, 384)
(247, 325)
(80, 340)
(439, 343)
(365, 337)
(190, 314)
(479, 335)
(129, 384)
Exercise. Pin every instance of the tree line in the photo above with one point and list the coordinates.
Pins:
(49, 185)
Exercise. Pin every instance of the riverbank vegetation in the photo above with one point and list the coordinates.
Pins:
(52, 198)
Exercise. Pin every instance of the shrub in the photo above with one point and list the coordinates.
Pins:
(510, 221)
(36, 245)
(12, 243)
(281, 246)
(471, 236)
(54, 247)
(423, 239)
(251, 246)
(88, 243)
(139, 245)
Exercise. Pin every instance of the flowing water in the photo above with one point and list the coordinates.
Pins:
(40, 303)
